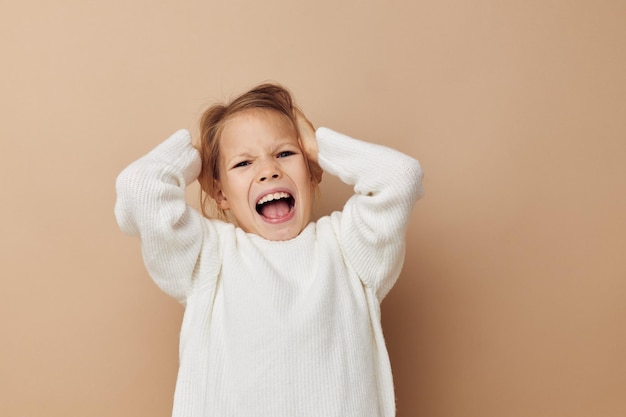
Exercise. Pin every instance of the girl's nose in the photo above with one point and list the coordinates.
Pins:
(269, 170)
(265, 177)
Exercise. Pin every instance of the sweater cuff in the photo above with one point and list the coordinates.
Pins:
(178, 151)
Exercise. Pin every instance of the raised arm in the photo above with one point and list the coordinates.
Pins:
(372, 225)
(151, 205)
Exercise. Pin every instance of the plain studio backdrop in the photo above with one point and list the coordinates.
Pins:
(512, 301)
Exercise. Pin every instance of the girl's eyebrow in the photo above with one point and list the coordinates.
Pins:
(281, 143)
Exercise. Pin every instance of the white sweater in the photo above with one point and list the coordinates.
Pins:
(277, 328)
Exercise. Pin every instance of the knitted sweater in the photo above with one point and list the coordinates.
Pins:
(277, 328)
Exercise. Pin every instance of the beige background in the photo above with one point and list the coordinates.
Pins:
(513, 297)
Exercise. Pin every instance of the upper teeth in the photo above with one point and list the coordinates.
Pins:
(274, 196)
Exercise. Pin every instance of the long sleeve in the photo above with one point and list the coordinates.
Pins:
(372, 225)
(151, 205)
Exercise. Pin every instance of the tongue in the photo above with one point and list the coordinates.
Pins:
(275, 209)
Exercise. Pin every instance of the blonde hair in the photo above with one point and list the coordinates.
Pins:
(271, 97)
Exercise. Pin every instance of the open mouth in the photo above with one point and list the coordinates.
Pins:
(275, 206)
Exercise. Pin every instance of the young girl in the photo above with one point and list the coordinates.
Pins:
(282, 314)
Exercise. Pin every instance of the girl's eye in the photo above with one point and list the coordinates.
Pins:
(284, 154)
(241, 164)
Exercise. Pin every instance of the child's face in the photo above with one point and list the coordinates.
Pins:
(264, 177)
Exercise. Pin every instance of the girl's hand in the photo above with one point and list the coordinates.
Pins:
(308, 143)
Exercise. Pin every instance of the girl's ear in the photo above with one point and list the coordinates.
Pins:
(316, 172)
(220, 197)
